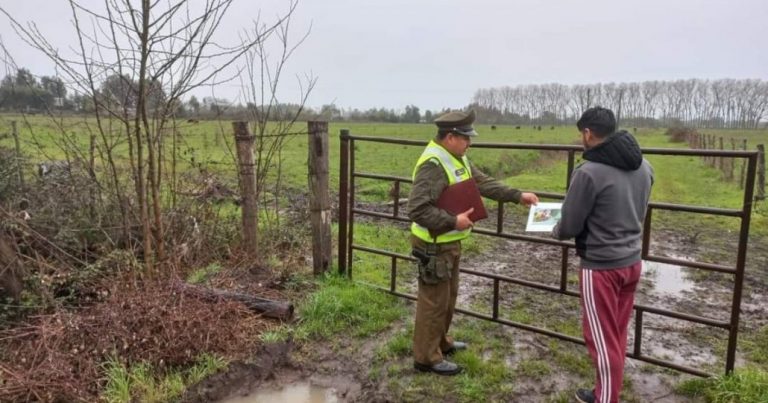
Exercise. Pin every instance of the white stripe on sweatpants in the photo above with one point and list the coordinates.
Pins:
(597, 335)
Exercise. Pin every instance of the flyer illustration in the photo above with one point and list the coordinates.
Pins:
(543, 217)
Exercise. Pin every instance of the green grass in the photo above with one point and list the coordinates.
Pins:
(562, 397)
(574, 360)
(340, 306)
(745, 385)
(143, 383)
(684, 180)
(543, 310)
(679, 179)
(372, 268)
(755, 345)
(203, 274)
(486, 375)
(276, 335)
(481, 381)
(536, 369)
(753, 137)
(398, 346)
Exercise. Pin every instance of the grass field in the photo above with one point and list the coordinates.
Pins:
(209, 144)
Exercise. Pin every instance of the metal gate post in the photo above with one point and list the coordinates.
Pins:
(741, 260)
(343, 200)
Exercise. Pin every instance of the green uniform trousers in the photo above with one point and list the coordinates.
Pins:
(435, 306)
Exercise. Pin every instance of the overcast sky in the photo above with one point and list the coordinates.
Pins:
(436, 53)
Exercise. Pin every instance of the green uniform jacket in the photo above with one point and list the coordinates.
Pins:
(429, 184)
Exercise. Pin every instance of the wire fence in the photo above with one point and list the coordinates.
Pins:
(731, 169)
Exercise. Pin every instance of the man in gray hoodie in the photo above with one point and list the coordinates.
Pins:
(604, 210)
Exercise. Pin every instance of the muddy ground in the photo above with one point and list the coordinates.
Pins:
(346, 365)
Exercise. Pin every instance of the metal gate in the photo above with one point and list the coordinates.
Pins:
(347, 246)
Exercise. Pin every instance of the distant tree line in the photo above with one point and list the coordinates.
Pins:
(327, 112)
(725, 103)
(411, 114)
(23, 92)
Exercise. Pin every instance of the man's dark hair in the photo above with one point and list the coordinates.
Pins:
(599, 120)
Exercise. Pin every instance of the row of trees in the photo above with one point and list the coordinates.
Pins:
(23, 92)
(411, 114)
(726, 103)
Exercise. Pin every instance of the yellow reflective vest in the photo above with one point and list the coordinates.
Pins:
(457, 171)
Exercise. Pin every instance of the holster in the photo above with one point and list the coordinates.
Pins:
(433, 268)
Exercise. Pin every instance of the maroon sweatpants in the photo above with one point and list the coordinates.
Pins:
(607, 297)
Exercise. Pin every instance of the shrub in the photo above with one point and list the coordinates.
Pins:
(680, 134)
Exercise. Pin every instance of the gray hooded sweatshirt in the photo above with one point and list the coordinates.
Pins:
(605, 206)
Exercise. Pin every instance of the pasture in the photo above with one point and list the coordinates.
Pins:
(210, 143)
(207, 147)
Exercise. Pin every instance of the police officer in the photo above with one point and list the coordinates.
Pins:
(436, 236)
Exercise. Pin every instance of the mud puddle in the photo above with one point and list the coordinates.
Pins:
(303, 392)
(667, 279)
(666, 286)
(281, 372)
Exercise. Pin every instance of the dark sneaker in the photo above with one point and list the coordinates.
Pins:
(457, 346)
(441, 368)
(585, 395)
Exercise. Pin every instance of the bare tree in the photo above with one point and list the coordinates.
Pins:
(274, 121)
(156, 52)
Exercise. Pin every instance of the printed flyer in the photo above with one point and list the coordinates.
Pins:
(543, 217)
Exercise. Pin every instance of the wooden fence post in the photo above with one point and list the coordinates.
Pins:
(319, 196)
(731, 161)
(720, 160)
(743, 165)
(760, 172)
(250, 217)
(19, 167)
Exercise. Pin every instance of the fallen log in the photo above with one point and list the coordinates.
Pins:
(267, 307)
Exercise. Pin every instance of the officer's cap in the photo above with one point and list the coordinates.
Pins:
(457, 122)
